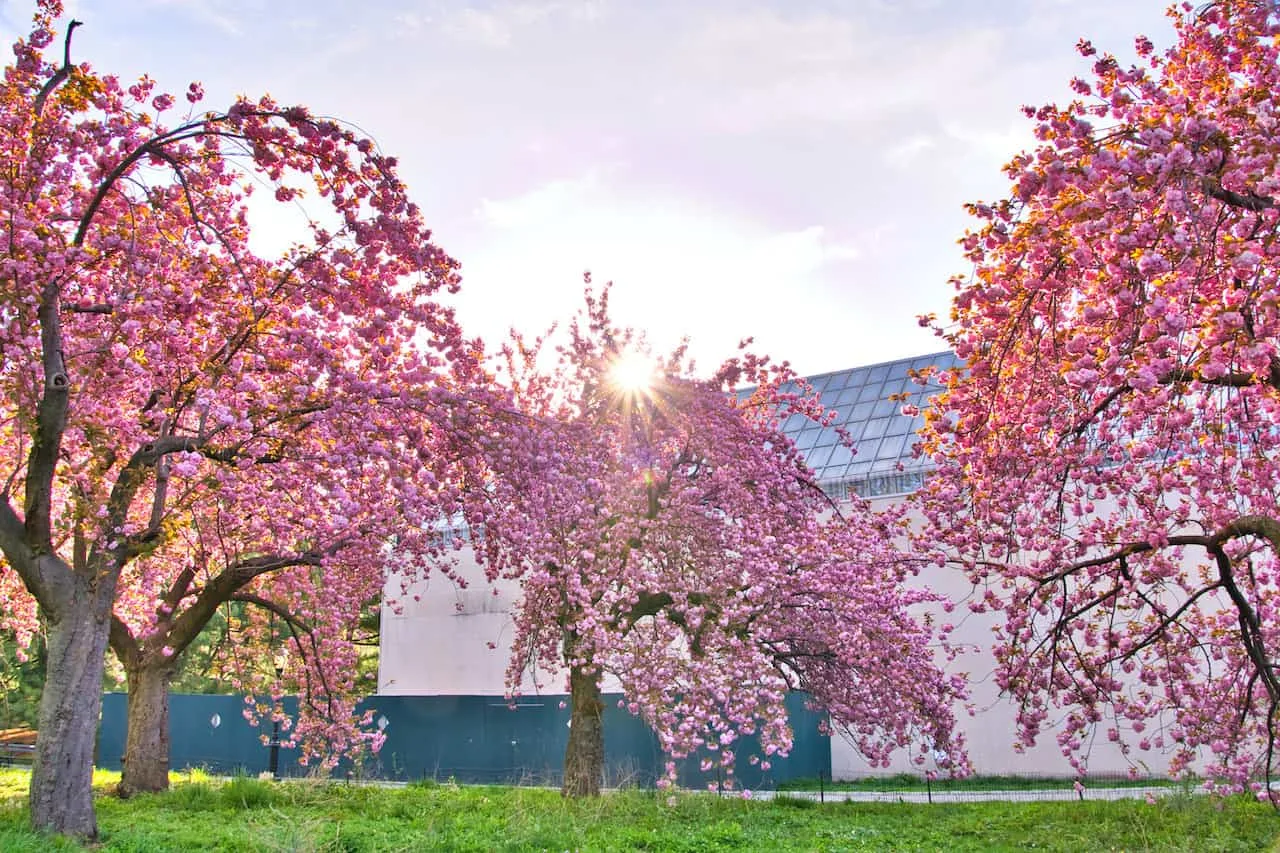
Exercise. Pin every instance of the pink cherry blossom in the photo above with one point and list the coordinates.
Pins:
(188, 424)
(1108, 464)
(671, 539)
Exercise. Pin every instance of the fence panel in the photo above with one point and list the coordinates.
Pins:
(467, 738)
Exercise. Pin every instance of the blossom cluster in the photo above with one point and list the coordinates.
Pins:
(195, 420)
(1108, 461)
(671, 539)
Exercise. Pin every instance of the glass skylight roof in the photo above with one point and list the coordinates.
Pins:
(883, 436)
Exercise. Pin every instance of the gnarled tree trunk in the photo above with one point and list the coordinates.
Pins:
(61, 793)
(584, 754)
(146, 746)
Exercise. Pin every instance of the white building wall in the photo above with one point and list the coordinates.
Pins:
(990, 733)
(992, 730)
(440, 639)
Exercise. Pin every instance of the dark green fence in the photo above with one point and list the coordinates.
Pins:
(467, 738)
(204, 731)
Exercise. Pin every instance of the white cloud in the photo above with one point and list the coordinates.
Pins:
(904, 153)
(208, 12)
(772, 67)
(799, 252)
(412, 23)
(994, 145)
(488, 29)
(498, 26)
(539, 207)
(679, 268)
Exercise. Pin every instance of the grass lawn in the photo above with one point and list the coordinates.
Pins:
(248, 814)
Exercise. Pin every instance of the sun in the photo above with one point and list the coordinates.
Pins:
(632, 372)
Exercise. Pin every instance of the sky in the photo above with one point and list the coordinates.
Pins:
(790, 170)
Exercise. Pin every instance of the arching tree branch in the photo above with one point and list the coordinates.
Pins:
(58, 76)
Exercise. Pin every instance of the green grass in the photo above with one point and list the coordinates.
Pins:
(254, 815)
(916, 782)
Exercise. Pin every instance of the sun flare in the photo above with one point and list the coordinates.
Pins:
(633, 372)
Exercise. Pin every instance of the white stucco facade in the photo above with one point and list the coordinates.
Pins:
(448, 640)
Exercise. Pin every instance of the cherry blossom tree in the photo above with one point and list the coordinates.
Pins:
(186, 421)
(1108, 460)
(667, 535)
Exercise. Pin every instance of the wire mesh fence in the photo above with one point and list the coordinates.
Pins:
(912, 788)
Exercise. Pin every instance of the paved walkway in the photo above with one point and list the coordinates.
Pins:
(1024, 795)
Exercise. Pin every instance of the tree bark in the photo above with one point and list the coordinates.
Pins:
(584, 754)
(146, 746)
(61, 793)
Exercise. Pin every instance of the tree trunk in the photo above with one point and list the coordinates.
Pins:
(584, 755)
(146, 746)
(61, 793)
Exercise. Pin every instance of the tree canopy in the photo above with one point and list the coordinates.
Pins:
(1108, 459)
(187, 417)
(667, 535)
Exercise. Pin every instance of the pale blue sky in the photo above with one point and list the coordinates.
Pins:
(789, 170)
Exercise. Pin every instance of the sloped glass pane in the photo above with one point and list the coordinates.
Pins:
(807, 438)
(867, 450)
(886, 408)
(818, 458)
(840, 455)
(891, 448)
(875, 428)
(871, 393)
(827, 437)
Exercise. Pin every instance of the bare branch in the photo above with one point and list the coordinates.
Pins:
(86, 308)
(58, 76)
(1212, 187)
(51, 419)
(271, 607)
(228, 584)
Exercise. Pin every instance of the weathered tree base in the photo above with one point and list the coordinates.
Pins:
(146, 747)
(584, 754)
(61, 793)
